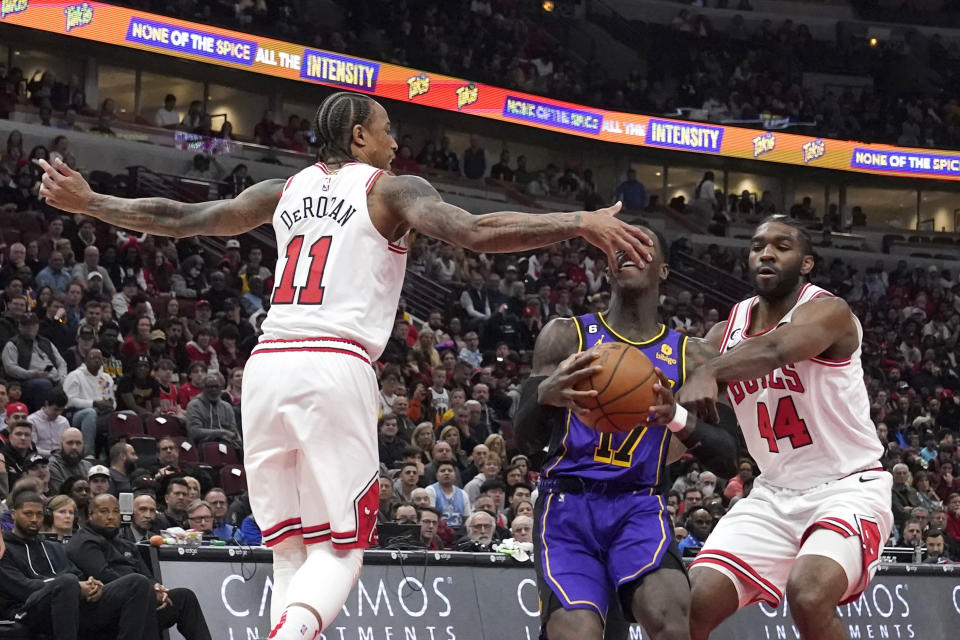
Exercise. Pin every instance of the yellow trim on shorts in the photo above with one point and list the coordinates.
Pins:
(566, 433)
(663, 540)
(546, 558)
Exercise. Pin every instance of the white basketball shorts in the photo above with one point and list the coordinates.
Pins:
(310, 441)
(757, 542)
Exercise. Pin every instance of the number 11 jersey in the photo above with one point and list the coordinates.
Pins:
(336, 276)
(805, 423)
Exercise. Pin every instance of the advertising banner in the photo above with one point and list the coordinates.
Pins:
(413, 596)
(190, 41)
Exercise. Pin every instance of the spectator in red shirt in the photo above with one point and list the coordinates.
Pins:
(201, 349)
(949, 484)
(138, 343)
(169, 396)
(404, 162)
(228, 354)
(192, 387)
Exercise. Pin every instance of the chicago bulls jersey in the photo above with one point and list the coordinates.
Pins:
(336, 276)
(808, 422)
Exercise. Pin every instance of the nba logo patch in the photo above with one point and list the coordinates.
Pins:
(325, 184)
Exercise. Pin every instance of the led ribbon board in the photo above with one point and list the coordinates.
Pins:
(191, 41)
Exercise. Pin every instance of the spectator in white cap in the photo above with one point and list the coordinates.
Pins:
(232, 255)
(99, 480)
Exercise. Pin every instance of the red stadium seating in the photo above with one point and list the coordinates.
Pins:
(218, 454)
(146, 448)
(124, 425)
(189, 453)
(233, 479)
(160, 426)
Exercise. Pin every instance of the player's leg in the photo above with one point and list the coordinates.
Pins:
(338, 469)
(270, 459)
(714, 597)
(573, 624)
(745, 559)
(645, 565)
(825, 569)
(572, 581)
(660, 601)
(840, 552)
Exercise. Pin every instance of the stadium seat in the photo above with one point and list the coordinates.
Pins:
(124, 425)
(188, 452)
(160, 426)
(218, 454)
(233, 479)
(146, 448)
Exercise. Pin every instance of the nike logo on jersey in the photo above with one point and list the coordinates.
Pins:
(862, 479)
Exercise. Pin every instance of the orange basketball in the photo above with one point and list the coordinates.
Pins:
(625, 386)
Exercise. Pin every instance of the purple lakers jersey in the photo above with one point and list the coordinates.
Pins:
(635, 458)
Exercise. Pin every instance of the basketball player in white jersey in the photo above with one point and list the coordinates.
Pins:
(310, 392)
(816, 520)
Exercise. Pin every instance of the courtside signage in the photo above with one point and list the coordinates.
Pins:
(191, 41)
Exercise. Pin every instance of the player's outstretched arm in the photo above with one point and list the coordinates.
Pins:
(414, 201)
(714, 445)
(65, 189)
(557, 366)
(821, 327)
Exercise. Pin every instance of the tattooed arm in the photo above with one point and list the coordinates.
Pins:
(413, 203)
(66, 190)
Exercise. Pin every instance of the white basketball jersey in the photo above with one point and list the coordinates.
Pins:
(336, 276)
(805, 423)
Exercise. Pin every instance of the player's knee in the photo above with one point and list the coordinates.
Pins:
(574, 624)
(705, 610)
(806, 599)
(670, 624)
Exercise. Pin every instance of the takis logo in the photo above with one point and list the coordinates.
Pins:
(466, 95)
(78, 15)
(813, 150)
(418, 85)
(9, 7)
(764, 144)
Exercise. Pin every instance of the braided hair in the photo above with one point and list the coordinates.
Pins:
(338, 114)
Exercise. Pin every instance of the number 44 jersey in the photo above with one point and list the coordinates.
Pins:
(806, 423)
(336, 276)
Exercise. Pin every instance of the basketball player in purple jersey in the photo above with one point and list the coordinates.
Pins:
(601, 519)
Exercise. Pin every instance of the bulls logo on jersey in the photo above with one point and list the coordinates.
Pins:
(805, 422)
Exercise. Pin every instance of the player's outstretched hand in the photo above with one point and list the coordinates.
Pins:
(666, 408)
(699, 395)
(603, 230)
(64, 188)
(557, 390)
